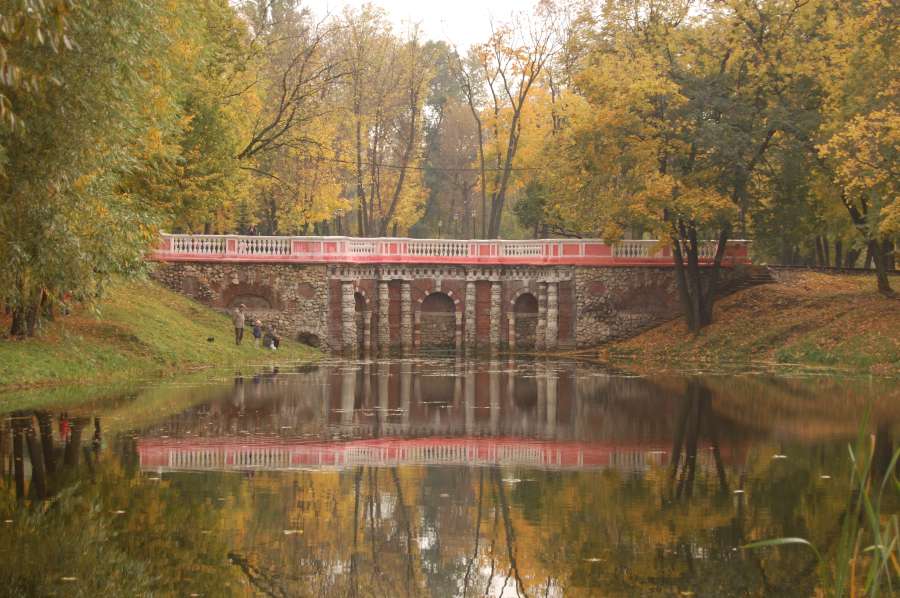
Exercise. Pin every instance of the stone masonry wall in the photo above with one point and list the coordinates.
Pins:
(619, 302)
(293, 297)
(583, 306)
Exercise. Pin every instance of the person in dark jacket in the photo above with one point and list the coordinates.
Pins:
(257, 332)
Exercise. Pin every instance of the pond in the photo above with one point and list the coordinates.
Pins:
(436, 477)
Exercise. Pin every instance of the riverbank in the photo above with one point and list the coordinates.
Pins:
(143, 331)
(803, 320)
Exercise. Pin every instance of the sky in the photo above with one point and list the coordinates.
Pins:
(459, 22)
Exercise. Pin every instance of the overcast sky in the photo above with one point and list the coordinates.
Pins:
(460, 22)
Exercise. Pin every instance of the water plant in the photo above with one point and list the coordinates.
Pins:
(866, 557)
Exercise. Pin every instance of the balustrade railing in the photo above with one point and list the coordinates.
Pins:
(438, 251)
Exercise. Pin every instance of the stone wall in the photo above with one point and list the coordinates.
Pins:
(620, 302)
(383, 307)
(293, 297)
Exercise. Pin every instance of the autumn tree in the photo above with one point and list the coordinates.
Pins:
(510, 65)
(66, 225)
(858, 140)
(683, 110)
(383, 96)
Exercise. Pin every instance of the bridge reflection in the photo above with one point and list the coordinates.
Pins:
(443, 412)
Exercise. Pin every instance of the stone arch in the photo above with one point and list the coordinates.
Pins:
(525, 308)
(254, 296)
(309, 338)
(437, 324)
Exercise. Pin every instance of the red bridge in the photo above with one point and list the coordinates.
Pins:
(363, 295)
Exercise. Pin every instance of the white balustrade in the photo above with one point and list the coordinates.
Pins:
(634, 249)
(349, 249)
(522, 248)
(362, 247)
(264, 246)
(437, 248)
(198, 244)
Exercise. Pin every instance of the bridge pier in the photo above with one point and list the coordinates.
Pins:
(406, 320)
(348, 317)
(552, 314)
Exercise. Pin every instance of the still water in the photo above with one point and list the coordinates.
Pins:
(441, 477)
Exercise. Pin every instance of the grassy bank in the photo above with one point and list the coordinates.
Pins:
(805, 320)
(143, 331)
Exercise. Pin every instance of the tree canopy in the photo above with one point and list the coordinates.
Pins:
(685, 121)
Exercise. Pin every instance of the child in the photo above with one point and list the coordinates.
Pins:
(257, 332)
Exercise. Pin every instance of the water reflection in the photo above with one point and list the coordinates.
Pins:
(443, 478)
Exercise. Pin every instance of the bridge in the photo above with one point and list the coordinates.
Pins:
(367, 295)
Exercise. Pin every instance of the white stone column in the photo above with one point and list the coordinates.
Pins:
(348, 317)
(511, 332)
(457, 330)
(494, 337)
(406, 322)
(470, 315)
(552, 326)
(540, 333)
(384, 324)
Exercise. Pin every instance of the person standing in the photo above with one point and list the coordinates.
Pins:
(238, 319)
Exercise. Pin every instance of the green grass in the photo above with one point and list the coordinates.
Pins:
(143, 331)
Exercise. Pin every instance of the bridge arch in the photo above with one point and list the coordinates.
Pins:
(437, 323)
(525, 311)
(254, 296)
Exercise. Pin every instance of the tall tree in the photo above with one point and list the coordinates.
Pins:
(66, 225)
(858, 139)
(511, 64)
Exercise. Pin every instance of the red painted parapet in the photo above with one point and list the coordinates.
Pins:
(356, 250)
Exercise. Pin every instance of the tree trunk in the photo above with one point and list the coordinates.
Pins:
(888, 253)
(876, 250)
(838, 253)
(820, 253)
(697, 298)
(681, 283)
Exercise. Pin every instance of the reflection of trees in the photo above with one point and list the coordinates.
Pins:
(668, 526)
(695, 418)
(95, 526)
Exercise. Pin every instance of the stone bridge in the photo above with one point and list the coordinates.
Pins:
(362, 295)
